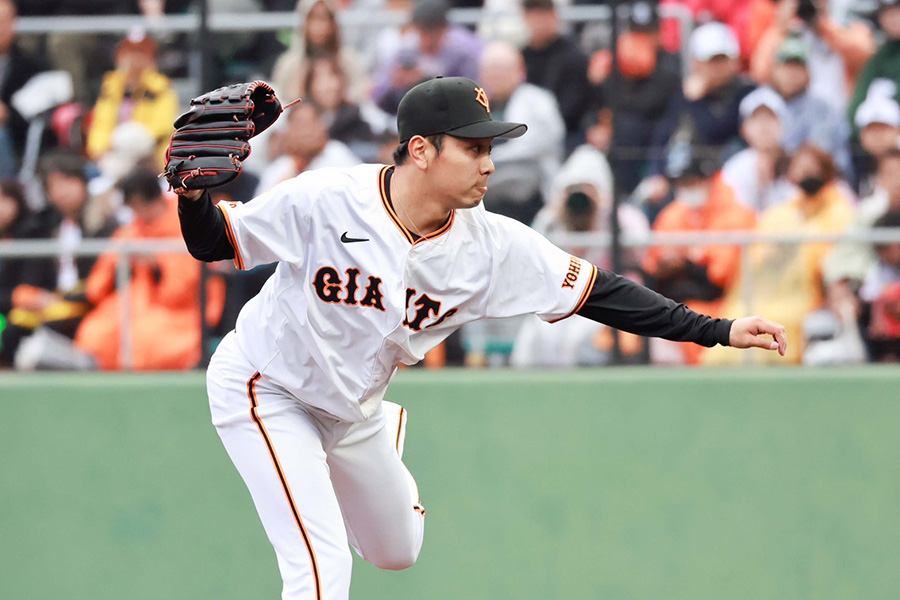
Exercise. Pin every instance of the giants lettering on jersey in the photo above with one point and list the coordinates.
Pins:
(329, 285)
(333, 289)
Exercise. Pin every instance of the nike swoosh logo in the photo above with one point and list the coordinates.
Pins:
(350, 240)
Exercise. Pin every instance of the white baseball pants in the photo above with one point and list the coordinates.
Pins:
(317, 482)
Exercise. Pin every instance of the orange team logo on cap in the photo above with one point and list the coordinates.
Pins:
(482, 99)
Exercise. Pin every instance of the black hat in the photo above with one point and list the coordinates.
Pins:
(452, 105)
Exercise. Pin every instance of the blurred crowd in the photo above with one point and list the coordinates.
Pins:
(774, 116)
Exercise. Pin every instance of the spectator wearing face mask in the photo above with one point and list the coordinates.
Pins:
(636, 91)
(787, 277)
(757, 173)
(699, 275)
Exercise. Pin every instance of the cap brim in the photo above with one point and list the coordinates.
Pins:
(489, 129)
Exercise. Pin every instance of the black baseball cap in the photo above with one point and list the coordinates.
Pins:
(453, 105)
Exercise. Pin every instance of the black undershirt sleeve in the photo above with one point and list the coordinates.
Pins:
(623, 304)
(203, 228)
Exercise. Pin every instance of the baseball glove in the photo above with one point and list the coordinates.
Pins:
(211, 139)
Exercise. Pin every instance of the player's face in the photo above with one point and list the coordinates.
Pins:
(460, 172)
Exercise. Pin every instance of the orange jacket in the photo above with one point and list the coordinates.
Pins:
(721, 213)
(164, 309)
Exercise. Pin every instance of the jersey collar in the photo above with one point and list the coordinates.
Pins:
(412, 238)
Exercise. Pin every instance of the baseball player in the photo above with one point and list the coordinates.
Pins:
(376, 265)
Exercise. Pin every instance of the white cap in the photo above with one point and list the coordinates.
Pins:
(877, 109)
(713, 39)
(763, 96)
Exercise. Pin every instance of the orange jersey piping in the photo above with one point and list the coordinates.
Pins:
(229, 233)
(584, 295)
(254, 413)
(382, 188)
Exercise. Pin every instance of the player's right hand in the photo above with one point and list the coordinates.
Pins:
(747, 332)
(212, 138)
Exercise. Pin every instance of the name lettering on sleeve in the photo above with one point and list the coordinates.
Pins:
(572, 274)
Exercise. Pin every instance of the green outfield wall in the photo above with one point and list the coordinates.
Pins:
(605, 484)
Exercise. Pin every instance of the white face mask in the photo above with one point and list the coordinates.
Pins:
(694, 196)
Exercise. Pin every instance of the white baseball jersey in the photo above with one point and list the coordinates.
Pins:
(355, 293)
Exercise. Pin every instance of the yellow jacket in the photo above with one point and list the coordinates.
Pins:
(787, 278)
(155, 107)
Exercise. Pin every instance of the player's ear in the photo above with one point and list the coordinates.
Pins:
(418, 151)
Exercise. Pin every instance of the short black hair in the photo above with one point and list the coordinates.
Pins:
(69, 164)
(402, 151)
(141, 184)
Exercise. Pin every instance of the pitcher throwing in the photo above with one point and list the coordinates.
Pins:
(377, 265)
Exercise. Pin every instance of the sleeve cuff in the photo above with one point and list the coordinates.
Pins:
(723, 332)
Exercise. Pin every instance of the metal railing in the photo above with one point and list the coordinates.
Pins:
(274, 21)
(126, 249)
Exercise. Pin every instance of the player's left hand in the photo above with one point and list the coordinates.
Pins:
(746, 332)
(212, 138)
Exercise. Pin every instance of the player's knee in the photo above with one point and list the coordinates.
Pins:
(396, 560)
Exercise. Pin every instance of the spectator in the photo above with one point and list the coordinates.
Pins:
(13, 216)
(847, 266)
(885, 63)
(164, 310)
(699, 276)
(327, 88)
(306, 147)
(85, 56)
(317, 35)
(582, 201)
(757, 173)
(836, 54)
(433, 47)
(808, 117)
(637, 92)
(382, 45)
(555, 62)
(132, 147)
(525, 165)
(706, 108)
(134, 91)
(16, 68)
(741, 16)
(48, 293)
(878, 122)
(881, 296)
(792, 273)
